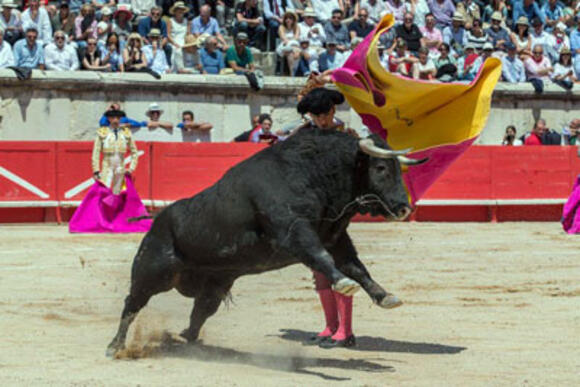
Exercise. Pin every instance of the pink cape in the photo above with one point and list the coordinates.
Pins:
(103, 211)
(571, 215)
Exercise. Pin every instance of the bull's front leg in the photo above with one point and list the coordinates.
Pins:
(304, 243)
(347, 261)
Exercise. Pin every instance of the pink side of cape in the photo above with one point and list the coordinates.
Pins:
(570, 214)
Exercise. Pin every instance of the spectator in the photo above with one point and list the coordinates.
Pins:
(245, 136)
(311, 30)
(572, 133)
(92, 57)
(486, 51)
(133, 57)
(154, 22)
(125, 121)
(85, 26)
(509, 139)
(212, 60)
(6, 55)
(424, 68)
(470, 11)
(178, 25)
(521, 38)
(187, 59)
(538, 68)
(554, 13)
(330, 59)
(360, 27)
(559, 38)
(549, 136)
(194, 131)
(410, 33)
(477, 37)
(527, 8)
(239, 57)
(324, 8)
(389, 40)
(154, 112)
(37, 17)
(541, 37)
(307, 58)
(101, 5)
(455, 35)
(398, 8)
(375, 9)
(468, 65)
(263, 132)
(432, 37)
(401, 61)
(75, 6)
(421, 9)
(497, 35)
(205, 24)
(535, 138)
(496, 6)
(443, 11)
(141, 8)
(112, 54)
(445, 64)
(336, 31)
(274, 12)
(10, 22)
(512, 68)
(156, 56)
(289, 34)
(248, 20)
(28, 52)
(121, 23)
(563, 74)
(59, 56)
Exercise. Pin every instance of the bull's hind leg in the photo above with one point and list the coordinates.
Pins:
(155, 270)
(206, 304)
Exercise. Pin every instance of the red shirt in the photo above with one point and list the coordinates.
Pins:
(533, 139)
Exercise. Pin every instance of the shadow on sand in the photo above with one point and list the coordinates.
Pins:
(379, 344)
(286, 363)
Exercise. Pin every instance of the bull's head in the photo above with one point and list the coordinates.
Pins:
(383, 192)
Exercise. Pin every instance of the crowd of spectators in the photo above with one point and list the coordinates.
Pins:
(538, 41)
(541, 134)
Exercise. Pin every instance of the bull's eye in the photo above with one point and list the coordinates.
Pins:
(381, 168)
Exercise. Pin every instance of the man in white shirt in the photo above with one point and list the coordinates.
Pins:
(324, 9)
(6, 56)
(312, 31)
(156, 57)
(37, 17)
(59, 56)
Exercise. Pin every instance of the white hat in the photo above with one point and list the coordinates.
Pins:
(308, 11)
(561, 26)
(9, 4)
(487, 46)
(154, 107)
(106, 11)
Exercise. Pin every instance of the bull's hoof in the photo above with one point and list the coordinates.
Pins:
(346, 286)
(113, 349)
(390, 301)
(188, 336)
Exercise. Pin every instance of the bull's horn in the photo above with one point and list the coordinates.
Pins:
(368, 146)
(407, 161)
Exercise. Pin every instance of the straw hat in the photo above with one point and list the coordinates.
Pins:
(522, 20)
(9, 4)
(106, 11)
(309, 12)
(154, 32)
(178, 5)
(565, 50)
(154, 107)
(190, 41)
(458, 16)
(496, 16)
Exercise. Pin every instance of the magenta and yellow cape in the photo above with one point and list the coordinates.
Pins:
(436, 120)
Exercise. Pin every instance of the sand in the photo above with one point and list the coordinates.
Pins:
(485, 304)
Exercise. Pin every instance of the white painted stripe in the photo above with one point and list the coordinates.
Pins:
(23, 183)
(30, 203)
(87, 183)
(487, 202)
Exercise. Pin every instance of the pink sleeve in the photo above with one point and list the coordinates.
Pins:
(78, 27)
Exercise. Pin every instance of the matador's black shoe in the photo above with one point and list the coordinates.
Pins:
(346, 343)
(316, 340)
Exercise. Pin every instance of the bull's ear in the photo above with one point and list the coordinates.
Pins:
(407, 161)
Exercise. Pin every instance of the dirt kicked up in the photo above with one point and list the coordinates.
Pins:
(485, 304)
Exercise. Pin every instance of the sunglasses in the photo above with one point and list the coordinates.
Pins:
(59, 37)
(91, 44)
(155, 14)
(538, 52)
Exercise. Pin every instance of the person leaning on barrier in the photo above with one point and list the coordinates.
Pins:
(28, 52)
(193, 131)
(59, 56)
(212, 60)
(6, 55)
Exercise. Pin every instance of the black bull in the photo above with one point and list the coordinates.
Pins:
(290, 203)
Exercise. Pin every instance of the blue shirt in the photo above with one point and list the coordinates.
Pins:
(146, 24)
(513, 70)
(211, 28)
(24, 57)
(104, 121)
(469, 75)
(211, 63)
(575, 42)
(531, 12)
(553, 14)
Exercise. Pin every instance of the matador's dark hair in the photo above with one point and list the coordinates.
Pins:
(319, 101)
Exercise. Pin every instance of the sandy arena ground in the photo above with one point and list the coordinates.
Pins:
(485, 304)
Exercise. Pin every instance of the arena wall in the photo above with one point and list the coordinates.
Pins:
(61, 106)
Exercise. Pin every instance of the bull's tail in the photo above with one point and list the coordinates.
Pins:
(138, 218)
